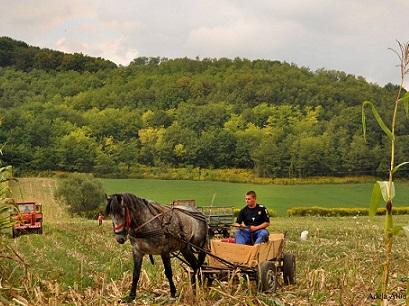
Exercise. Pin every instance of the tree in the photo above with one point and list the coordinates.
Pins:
(82, 193)
(308, 155)
(77, 151)
(158, 110)
(360, 158)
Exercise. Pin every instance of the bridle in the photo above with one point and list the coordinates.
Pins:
(123, 228)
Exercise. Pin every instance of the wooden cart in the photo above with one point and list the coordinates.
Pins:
(263, 263)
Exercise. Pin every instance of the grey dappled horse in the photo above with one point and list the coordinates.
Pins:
(156, 229)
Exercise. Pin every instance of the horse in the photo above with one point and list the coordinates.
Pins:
(156, 229)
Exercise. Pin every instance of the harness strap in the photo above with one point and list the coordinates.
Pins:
(147, 222)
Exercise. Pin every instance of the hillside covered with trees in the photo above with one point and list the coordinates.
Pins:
(77, 113)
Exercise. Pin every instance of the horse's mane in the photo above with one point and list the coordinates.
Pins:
(113, 205)
(132, 202)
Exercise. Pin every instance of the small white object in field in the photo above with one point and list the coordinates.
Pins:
(304, 235)
(354, 217)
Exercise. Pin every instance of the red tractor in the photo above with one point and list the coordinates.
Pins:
(28, 219)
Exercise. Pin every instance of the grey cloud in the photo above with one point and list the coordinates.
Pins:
(352, 36)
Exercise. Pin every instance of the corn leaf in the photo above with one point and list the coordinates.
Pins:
(386, 193)
(398, 166)
(5, 223)
(378, 119)
(5, 210)
(375, 199)
(5, 169)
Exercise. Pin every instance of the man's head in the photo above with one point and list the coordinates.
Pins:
(250, 199)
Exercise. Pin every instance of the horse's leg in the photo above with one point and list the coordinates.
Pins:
(137, 260)
(168, 273)
(200, 259)
(191, 259)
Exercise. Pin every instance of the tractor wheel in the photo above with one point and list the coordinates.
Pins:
(267, 277)
(16, 233)
(289, 269)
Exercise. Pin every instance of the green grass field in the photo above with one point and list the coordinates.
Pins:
(278, 197)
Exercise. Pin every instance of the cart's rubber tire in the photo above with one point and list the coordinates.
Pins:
(40, 231)
(267, 277)
(289, 269)
(13, 232)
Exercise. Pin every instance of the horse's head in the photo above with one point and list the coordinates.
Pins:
(121, 219)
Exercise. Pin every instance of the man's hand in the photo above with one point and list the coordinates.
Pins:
(253, 228)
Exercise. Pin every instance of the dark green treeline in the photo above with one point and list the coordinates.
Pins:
(86, 114)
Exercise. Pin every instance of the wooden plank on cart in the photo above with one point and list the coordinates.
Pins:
(190, 203)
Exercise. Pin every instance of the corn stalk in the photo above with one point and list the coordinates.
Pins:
(390, 230)
(5, 204)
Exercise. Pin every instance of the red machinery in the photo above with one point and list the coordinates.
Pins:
(28, 219)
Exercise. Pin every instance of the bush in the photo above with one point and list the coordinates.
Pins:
(228, 175)
(341, 212)
(82, 193)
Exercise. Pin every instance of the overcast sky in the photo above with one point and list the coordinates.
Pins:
(352, 36)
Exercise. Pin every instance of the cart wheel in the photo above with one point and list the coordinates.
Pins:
(40, 230)
(267, 277)
(13, 233)
(289, 269)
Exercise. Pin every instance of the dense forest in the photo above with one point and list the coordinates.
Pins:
(77, 113)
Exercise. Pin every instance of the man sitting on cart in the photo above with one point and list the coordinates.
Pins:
(252, 222)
